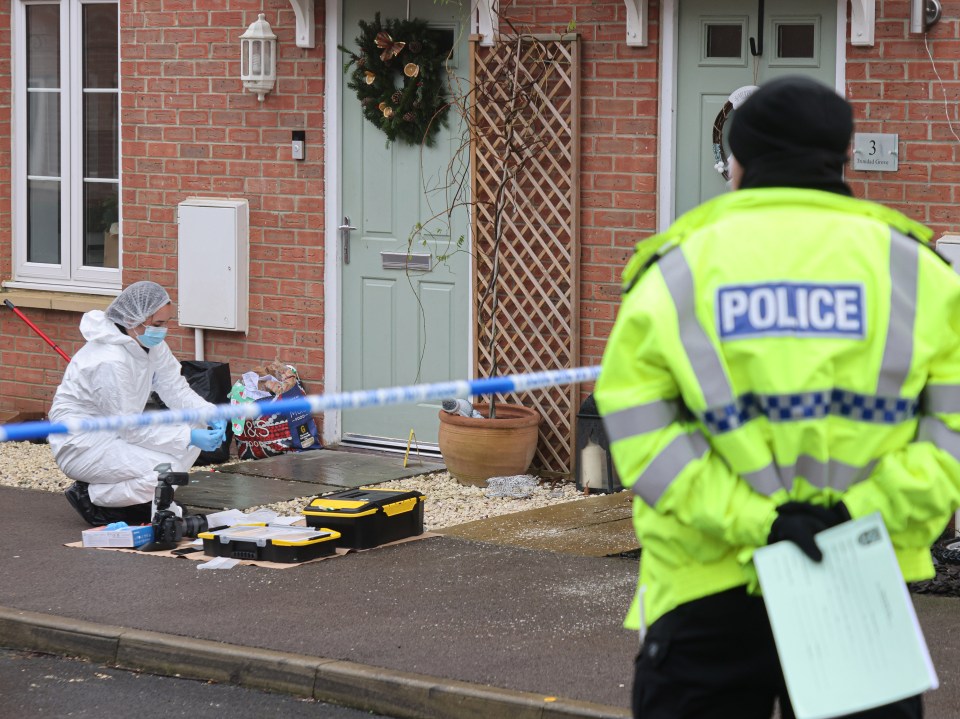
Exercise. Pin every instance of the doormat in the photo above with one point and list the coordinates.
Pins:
(199, 555)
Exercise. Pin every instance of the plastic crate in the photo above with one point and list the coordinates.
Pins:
(368, 517)
(267, 543)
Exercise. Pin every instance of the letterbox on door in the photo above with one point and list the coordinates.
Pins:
(213, 240)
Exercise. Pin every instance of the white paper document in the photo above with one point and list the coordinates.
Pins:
(219, 563)
(846, 630)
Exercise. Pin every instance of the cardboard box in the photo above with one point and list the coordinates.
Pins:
(125, 537)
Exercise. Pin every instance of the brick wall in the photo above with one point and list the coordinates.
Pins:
(895, 88)
(189, 129)
(618, 163)
(6, 156)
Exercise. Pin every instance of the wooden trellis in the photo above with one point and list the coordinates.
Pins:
(525, 149)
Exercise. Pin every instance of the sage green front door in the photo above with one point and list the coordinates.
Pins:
(715, 59)
(401, 325)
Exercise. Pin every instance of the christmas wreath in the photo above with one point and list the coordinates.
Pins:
(398, 75)
(736, 99)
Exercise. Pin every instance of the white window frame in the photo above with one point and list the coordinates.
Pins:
(70, 275)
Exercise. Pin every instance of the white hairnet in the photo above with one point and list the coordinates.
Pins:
(139, 301)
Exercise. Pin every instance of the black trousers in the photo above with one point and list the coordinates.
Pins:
(715, 658)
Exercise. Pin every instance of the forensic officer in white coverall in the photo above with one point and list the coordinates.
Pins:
(124, 359)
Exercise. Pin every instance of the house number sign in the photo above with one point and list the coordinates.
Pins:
(875, 151)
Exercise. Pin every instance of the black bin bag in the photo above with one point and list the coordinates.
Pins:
(210, 380)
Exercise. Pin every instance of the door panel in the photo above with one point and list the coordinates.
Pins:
(378, 332)
(400, 326)
(714, 59)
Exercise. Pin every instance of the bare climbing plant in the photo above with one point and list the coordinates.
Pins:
(502, 110)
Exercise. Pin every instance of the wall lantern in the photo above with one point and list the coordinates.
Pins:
(923, 14)
(258, 58)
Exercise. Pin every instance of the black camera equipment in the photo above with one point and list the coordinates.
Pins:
(168, 528)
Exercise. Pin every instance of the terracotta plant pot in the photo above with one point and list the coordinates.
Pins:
(476, 449)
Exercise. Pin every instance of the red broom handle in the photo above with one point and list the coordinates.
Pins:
(36, 329)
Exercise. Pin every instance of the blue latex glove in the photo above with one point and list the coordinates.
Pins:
(206, 439)
(220, 425)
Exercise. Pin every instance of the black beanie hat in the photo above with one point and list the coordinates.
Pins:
(793, 132)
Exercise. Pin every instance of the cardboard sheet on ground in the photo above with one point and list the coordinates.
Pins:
(846, 630)
(199, 556)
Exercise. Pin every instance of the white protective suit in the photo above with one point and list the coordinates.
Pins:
(113, 375)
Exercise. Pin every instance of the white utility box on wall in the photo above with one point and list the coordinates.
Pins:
(949, 247)
(213, 248)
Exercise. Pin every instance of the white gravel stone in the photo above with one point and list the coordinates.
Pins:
(31, 466)
(449, 503)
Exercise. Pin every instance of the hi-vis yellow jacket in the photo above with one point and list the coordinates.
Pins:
(781, 344)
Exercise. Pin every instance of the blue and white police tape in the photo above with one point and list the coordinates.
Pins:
(312, 403)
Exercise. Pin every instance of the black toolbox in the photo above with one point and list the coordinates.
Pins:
(268, 543)
(367, 517)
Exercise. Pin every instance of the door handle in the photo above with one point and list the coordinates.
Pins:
(345, 230)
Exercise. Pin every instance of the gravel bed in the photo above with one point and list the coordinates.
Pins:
(449, 503)
(31, 466)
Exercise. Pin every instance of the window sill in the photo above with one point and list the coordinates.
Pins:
(65, 301)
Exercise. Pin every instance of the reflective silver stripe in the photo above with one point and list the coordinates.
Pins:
(933, 430)
(941, 399)
(898, 350)
(843, 476)
(833, 473)
(700, 350)
(766, 481)
(640, 419)
(654, 480)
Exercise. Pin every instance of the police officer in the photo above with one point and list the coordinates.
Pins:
(785, 356)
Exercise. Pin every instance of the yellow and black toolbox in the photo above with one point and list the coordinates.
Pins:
(367, 517)
(269, 543)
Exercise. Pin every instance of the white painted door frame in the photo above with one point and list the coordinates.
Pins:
(333, 206)
(667, 122)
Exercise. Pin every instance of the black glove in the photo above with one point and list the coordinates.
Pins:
(798, 522)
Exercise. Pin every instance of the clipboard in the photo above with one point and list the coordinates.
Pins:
(846, 630)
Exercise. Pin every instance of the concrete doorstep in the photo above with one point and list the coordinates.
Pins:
(375, 689)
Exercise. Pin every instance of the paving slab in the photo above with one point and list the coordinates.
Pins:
(598, 526)
(340, 469)
(229, 490)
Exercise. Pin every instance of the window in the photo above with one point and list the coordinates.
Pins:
(724, 40)
(66, 131)
(796, 40)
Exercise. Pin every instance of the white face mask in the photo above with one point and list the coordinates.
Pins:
(152, 336)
